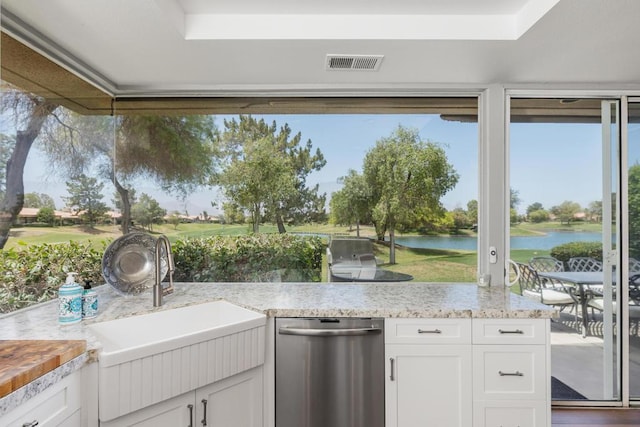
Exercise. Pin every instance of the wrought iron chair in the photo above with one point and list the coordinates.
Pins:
(549, 292)
(634, 301)
(546, 263)
(584, 264)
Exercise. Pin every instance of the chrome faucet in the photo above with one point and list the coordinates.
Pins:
(158, 291)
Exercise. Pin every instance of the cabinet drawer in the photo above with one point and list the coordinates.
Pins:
(59, 405)
(428, 331)
(509, 331)
(510, 414)
(509, 372)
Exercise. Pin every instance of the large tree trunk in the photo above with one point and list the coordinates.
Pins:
(125, 216)
(13, 200)
(392, 247)
(280, 223)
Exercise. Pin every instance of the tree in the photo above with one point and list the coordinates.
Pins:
(634, 211)
(38, 200)
(566, 211)
(174, 219)
(514, 198)
(259, 179)
(46, 215)
(351, 204)
(406, 174)
(232, 213)
(85, 198)
(472, 211)
(302, 204)
(534, 207)
(538, 216)
(177, 152)
(30, 113)
(594, 211)
(147, 211)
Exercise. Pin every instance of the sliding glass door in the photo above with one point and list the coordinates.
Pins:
(564, 213)
(633, 238)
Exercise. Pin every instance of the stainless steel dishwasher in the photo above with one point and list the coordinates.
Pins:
(329, 372)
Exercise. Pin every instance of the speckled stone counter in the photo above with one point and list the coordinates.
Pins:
(274, 300)
(287, 300)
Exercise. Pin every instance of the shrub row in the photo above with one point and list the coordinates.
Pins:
(249, 258)
(577, 249)
(34, 273)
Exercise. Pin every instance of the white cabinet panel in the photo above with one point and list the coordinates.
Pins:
(236, 401)
(509, 372)
(170, 413)
(509, 331)
(517, 413)
(428, 385)
(428, 331)
(57, 406)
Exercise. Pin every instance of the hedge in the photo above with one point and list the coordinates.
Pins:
(577, 249)
(249, 258)
(34, 273)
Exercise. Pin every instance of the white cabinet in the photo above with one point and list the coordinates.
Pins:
(57, 406)
(235, 401)
(467, 372)
(511, 377)
(429, 372)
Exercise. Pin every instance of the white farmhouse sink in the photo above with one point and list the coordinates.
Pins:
(149, 358)
(147, 334)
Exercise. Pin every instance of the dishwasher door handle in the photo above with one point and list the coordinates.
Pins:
(329, 332)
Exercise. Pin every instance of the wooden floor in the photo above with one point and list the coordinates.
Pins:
(618, 417)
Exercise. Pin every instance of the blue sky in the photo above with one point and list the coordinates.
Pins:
(550, 163)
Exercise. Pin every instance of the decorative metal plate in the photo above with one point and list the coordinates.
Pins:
(128, 264)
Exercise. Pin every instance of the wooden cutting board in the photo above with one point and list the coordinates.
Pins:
(22, 361)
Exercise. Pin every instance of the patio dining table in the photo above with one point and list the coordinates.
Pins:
(583, 281)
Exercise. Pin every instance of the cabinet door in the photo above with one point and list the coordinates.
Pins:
(57, 406)
(235, 401)
(169, 413)
(428, 385)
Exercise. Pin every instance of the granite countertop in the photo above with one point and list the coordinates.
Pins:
(272, 299)
(287, 300)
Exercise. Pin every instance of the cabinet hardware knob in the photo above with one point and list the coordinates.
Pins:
(511, 374)
(391, 377)
(432, 331)
(516, 331)
(204, 414)
(190, 415)
(31, 424)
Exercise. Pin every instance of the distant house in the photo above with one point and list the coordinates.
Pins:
(30, 215)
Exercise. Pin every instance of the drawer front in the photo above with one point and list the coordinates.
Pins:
(511, 414)
(57, 405)
(509, 372)
(509, 331)
(428, 331)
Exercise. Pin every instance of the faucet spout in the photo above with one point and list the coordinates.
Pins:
(162, 244)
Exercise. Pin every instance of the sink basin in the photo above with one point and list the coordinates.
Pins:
(149, 334)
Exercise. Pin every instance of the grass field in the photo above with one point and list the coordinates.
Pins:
(429, 265)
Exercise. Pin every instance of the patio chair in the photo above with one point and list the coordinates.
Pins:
(597, 303)
(634, 266)
(546, 263)
(549, 292)
(584, 264)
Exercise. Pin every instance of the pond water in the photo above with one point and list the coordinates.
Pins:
(541, 242)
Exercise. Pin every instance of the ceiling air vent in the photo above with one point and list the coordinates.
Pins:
(354, 62)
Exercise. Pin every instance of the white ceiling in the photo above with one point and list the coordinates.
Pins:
(134, 47)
